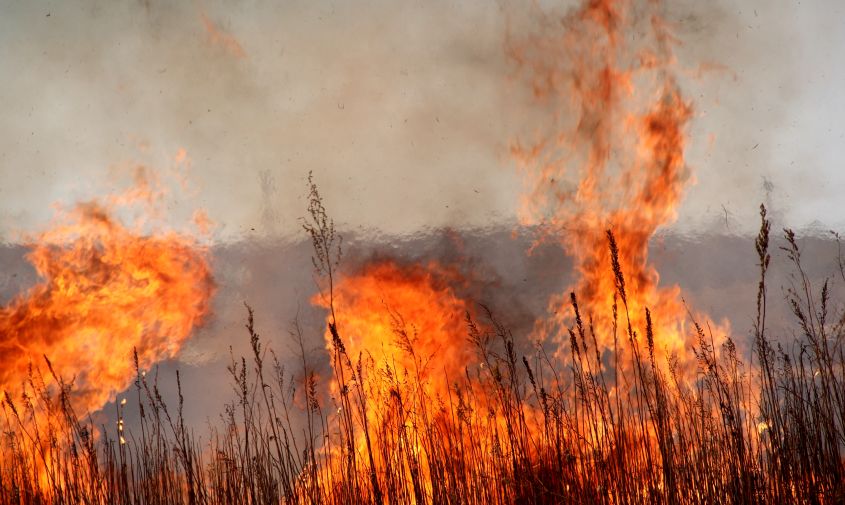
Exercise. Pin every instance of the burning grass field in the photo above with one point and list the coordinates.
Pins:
(445, 410)
(619, 393)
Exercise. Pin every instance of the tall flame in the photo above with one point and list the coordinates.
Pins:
(106, 290)
(611, 158)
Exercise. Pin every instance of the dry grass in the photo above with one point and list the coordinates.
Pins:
(518, 429)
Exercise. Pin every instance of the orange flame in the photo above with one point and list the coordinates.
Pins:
(407, 318)
(612, 158)
(403, 331)
(105, 290)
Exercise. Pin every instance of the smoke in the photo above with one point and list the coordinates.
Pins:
(765, 129)
(385, 102)
(393, 106)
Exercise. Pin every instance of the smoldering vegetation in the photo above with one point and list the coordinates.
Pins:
(761, 422)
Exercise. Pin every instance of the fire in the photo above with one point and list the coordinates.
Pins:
(392, 314)
(611, 158)
(404, 338)
(106, 291)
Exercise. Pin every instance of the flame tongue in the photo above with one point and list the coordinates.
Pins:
(106, 290)
(612, 157)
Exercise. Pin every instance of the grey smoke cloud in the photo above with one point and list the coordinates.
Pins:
(403, 111)
(393, 106)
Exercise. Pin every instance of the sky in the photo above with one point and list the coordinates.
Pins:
(403, 111)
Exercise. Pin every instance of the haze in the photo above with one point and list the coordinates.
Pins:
(403, 111)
